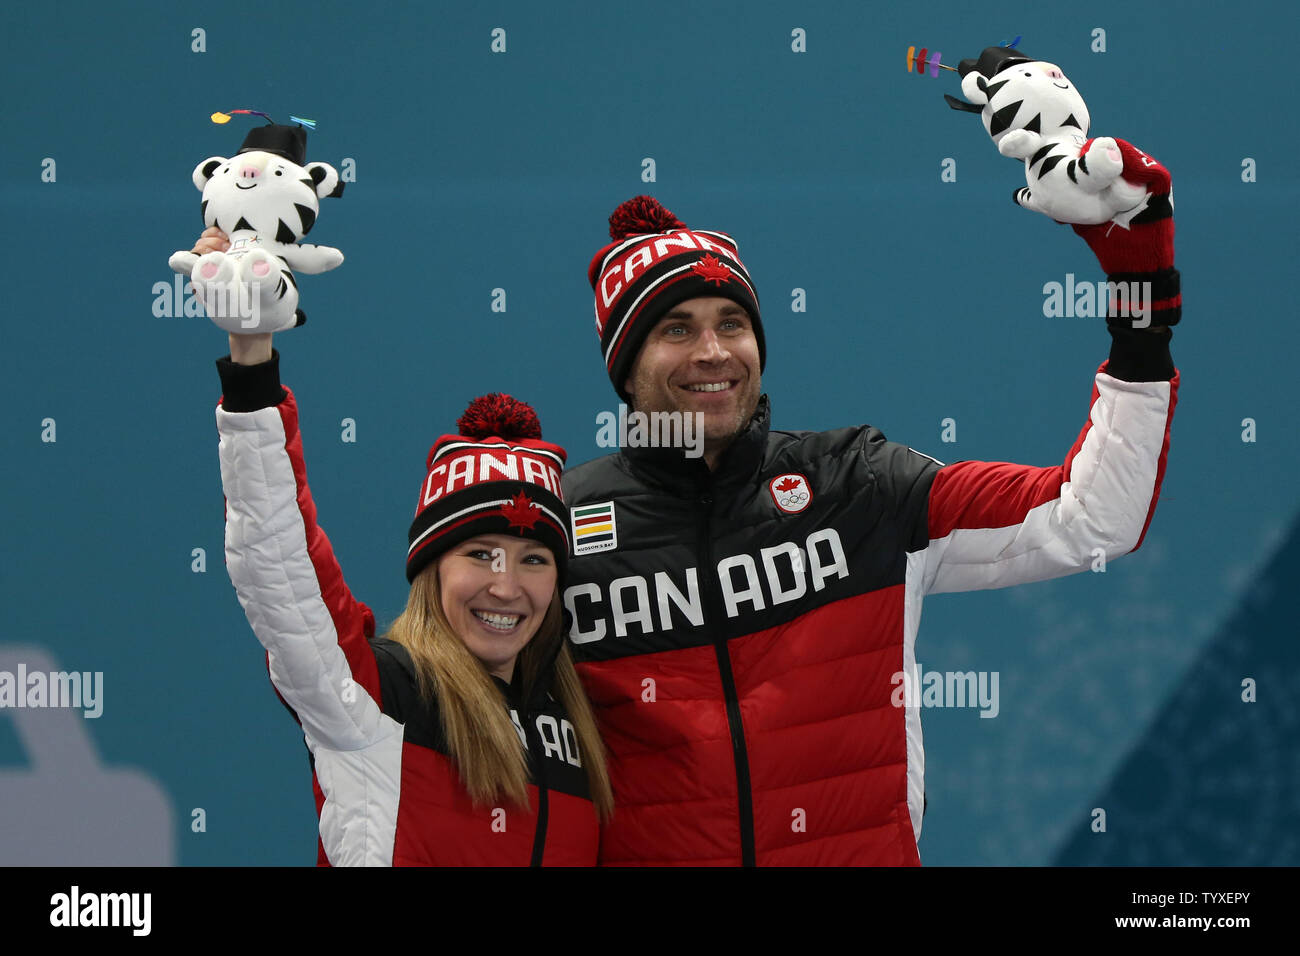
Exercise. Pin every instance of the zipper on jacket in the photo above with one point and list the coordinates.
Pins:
(744, 794)
(543, 804)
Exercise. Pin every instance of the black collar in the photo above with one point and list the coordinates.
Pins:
(513, 690)
(533, 699)
(686, 477)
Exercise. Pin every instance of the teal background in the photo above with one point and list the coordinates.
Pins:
(477, 171)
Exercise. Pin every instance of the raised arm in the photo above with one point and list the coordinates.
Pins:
(283, 566)
(994, 524)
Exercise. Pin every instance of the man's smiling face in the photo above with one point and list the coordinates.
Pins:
(702, 356)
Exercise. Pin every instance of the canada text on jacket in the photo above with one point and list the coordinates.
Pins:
(748, 583)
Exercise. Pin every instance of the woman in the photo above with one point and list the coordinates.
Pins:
(462, 736)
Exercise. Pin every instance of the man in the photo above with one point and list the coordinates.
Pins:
(741, 620)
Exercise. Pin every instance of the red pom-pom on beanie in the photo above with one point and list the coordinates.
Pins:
(640, 216)
(499, 416)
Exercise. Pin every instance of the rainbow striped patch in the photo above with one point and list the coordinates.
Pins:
(593, 528)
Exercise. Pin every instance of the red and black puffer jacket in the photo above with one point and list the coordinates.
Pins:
(744, 633)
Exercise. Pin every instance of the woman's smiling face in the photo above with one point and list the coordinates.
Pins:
(496, 589)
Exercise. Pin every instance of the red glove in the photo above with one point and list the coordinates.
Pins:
(1139, 246)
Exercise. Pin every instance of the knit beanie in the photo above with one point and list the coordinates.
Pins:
(654, 263)
(496, 476)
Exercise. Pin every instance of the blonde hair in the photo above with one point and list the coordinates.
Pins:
(481, 739)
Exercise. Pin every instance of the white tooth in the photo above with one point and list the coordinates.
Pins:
(716, 387)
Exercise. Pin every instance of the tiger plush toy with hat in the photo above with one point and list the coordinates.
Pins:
(265, 198)
(1119, 199)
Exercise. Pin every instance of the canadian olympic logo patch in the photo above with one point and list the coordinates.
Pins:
(790, 492)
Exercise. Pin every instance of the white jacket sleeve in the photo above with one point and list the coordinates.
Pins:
(290, 585)
(994, 524)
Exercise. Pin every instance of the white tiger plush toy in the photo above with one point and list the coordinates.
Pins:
(265, 199)
(1034, 113)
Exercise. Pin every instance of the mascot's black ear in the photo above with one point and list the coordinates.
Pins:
(204, 170)
(962, 104)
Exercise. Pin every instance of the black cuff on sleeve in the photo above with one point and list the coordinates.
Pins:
(1158, 294)
(1140, 356)
(246, 388)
